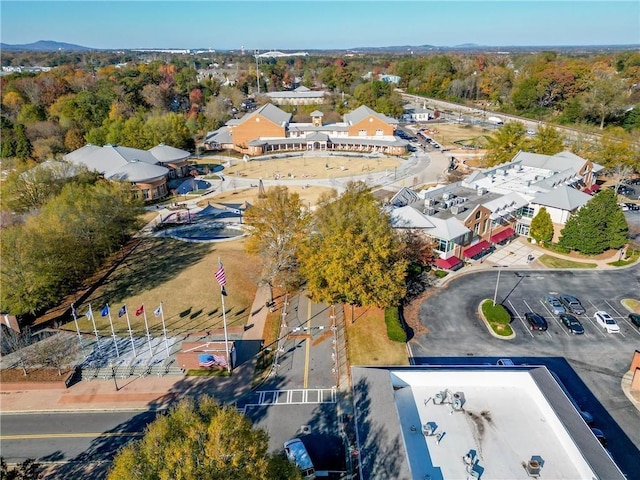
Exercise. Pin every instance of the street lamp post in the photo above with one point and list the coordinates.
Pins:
(495, 293)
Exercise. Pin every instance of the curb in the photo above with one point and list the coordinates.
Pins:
(486, 323)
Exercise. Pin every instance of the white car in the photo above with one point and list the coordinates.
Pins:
(607, 322)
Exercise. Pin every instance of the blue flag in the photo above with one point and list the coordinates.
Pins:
(105, 310)
(122, 311)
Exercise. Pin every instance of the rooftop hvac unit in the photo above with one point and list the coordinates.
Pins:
(447, 196)
(428, 202)
(429, 429)
(533, 467)
(458, 401)
(456, 209)
(500, 171)
(429, 211)
(446, 204)
(481, 191)
(439, 398)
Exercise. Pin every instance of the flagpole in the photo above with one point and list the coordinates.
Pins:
(222, 281)
(224, 323)
(133, 345)
(75, 320)
(164, 330)
(95, 330)
(146, 326)
(113, 333)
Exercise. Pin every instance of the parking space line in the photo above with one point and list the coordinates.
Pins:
(531, 310)
(513, 309)
(544, 305)
(614, 310)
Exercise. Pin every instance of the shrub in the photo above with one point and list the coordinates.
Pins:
(395, 329)
(441, 273)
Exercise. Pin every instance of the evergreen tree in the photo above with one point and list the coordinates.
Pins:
(23, 145)
(597, 226)
(541, 229)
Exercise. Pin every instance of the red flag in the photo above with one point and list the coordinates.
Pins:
(140, 310)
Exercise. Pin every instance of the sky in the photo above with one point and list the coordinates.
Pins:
(319, 24)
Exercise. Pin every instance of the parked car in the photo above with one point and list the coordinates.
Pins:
(572, 304)
(572, 323)
(607, 322)
(600, 436)
(297, 453)
(635, 319)
(536, 321)
(555, 305)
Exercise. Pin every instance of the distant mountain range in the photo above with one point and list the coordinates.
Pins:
(45, 46)
(53, 46)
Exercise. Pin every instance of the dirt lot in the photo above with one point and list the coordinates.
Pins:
(306, 167)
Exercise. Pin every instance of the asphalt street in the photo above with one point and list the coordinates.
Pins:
(87, 440)
(595, 361)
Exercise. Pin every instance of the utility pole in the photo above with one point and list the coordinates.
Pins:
(257, 73)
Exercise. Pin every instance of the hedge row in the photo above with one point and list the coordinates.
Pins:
(395, 329)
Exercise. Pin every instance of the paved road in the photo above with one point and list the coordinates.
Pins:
(87, 439)
(450, 328)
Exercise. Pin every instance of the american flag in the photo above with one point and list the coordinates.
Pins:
(206, 360)
(220, 275)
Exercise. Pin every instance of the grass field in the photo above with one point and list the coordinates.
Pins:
(181, 276)
(555, 262)
(367, 340)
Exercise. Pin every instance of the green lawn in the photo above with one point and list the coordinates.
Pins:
(498, 318)
(555, 262)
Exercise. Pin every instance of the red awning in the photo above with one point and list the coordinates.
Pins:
(474, 250)
(502, 235)
(448, 263)
(595, 187)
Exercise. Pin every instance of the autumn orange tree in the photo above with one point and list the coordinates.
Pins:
(353, 254)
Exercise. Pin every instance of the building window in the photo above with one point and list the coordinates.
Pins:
(476, 228)
(478, 213)
(379, 133)
(443, 245)
(525, 212)
(484, 226)
(362, 133)
(145, 193)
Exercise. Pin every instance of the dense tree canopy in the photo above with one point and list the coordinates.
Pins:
(279, 223)
(596, 227)
(56, 248)
(353, 255)
(197, 440)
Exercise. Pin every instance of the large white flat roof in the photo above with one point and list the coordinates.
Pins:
(508, 417)
(505, 420)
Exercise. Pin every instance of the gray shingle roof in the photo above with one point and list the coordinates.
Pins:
(564, 198)
(137, 172)
(270, 112)
(165, 153)
(363, 112)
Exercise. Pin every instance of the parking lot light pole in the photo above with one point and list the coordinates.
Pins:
(495, 294)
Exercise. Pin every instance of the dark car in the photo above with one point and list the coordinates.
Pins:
(600, 436)
(572, 304)
(572, 323)
(635, 319)
(536, 321)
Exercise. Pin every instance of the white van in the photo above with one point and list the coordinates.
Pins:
(297, 453)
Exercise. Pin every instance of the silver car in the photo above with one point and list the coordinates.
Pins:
(555, 305)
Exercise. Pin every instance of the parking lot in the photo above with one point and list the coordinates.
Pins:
(591, 365)
(593, 332)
